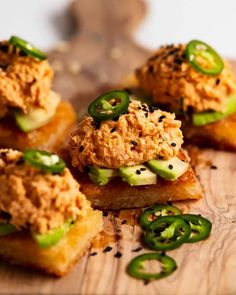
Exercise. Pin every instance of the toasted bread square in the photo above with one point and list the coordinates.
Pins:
(219, 135)
(118, 194)
(57, 260)
(48, 137)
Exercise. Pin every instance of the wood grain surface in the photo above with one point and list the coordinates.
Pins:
(204, 268)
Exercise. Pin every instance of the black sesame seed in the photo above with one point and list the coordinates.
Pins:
(107, 249)
(150, 69)
(128, 90)
(4, 47)
(105, 213)
(154, 108)
(143, 169)
(3, 154)
(5, 215)
(87, 168)
(118, 254)
(116, 213)
(161, 118)
(4, 67)
(214, 167)
(170, 166)
(146, 282)
(139, 108)
(20, 161)
(93, 254)
(217, 81)
(137, 249)
(134, 142)
(173, 144)
(124, 221)
(171, 52)
(146, 115)
(81, 148)
(97, 124)
(138, 172)
(113, 129)
(178, 61)
(22, 53)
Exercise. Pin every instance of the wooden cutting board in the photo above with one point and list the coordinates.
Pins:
(103, 44)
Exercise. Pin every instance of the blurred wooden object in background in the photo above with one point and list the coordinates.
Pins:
(101, 53)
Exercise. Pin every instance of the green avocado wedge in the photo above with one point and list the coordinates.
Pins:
(37, 117)
(204, 118)
(137, 175)
(52, 237)
(7, 229)
(168, 169)
(102, 176)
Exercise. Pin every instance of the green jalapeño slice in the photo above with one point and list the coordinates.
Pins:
(27, 48)
(44, 160)
(200, 227)
(154, 212)
(167, 233)
(136, 267)
(109, 106)
(204, 58)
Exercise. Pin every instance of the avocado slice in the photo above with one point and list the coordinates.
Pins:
(200, 119)
(36, 117)
(168, 169)
(7, 229)
(53, 236)
(137, 175)
(102, 176)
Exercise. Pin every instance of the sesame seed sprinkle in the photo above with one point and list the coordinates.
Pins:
(161, 118)
(118, 254)
(134, 142)
(107, 249)
(81, 148)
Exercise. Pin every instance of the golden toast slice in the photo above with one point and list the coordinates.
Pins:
(48, 137)
(219, 135)
(118, 194)
(58, 260)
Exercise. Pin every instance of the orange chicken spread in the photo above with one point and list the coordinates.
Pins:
(171, 80)
(24, 81)
(144, 133)
(35, 199)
